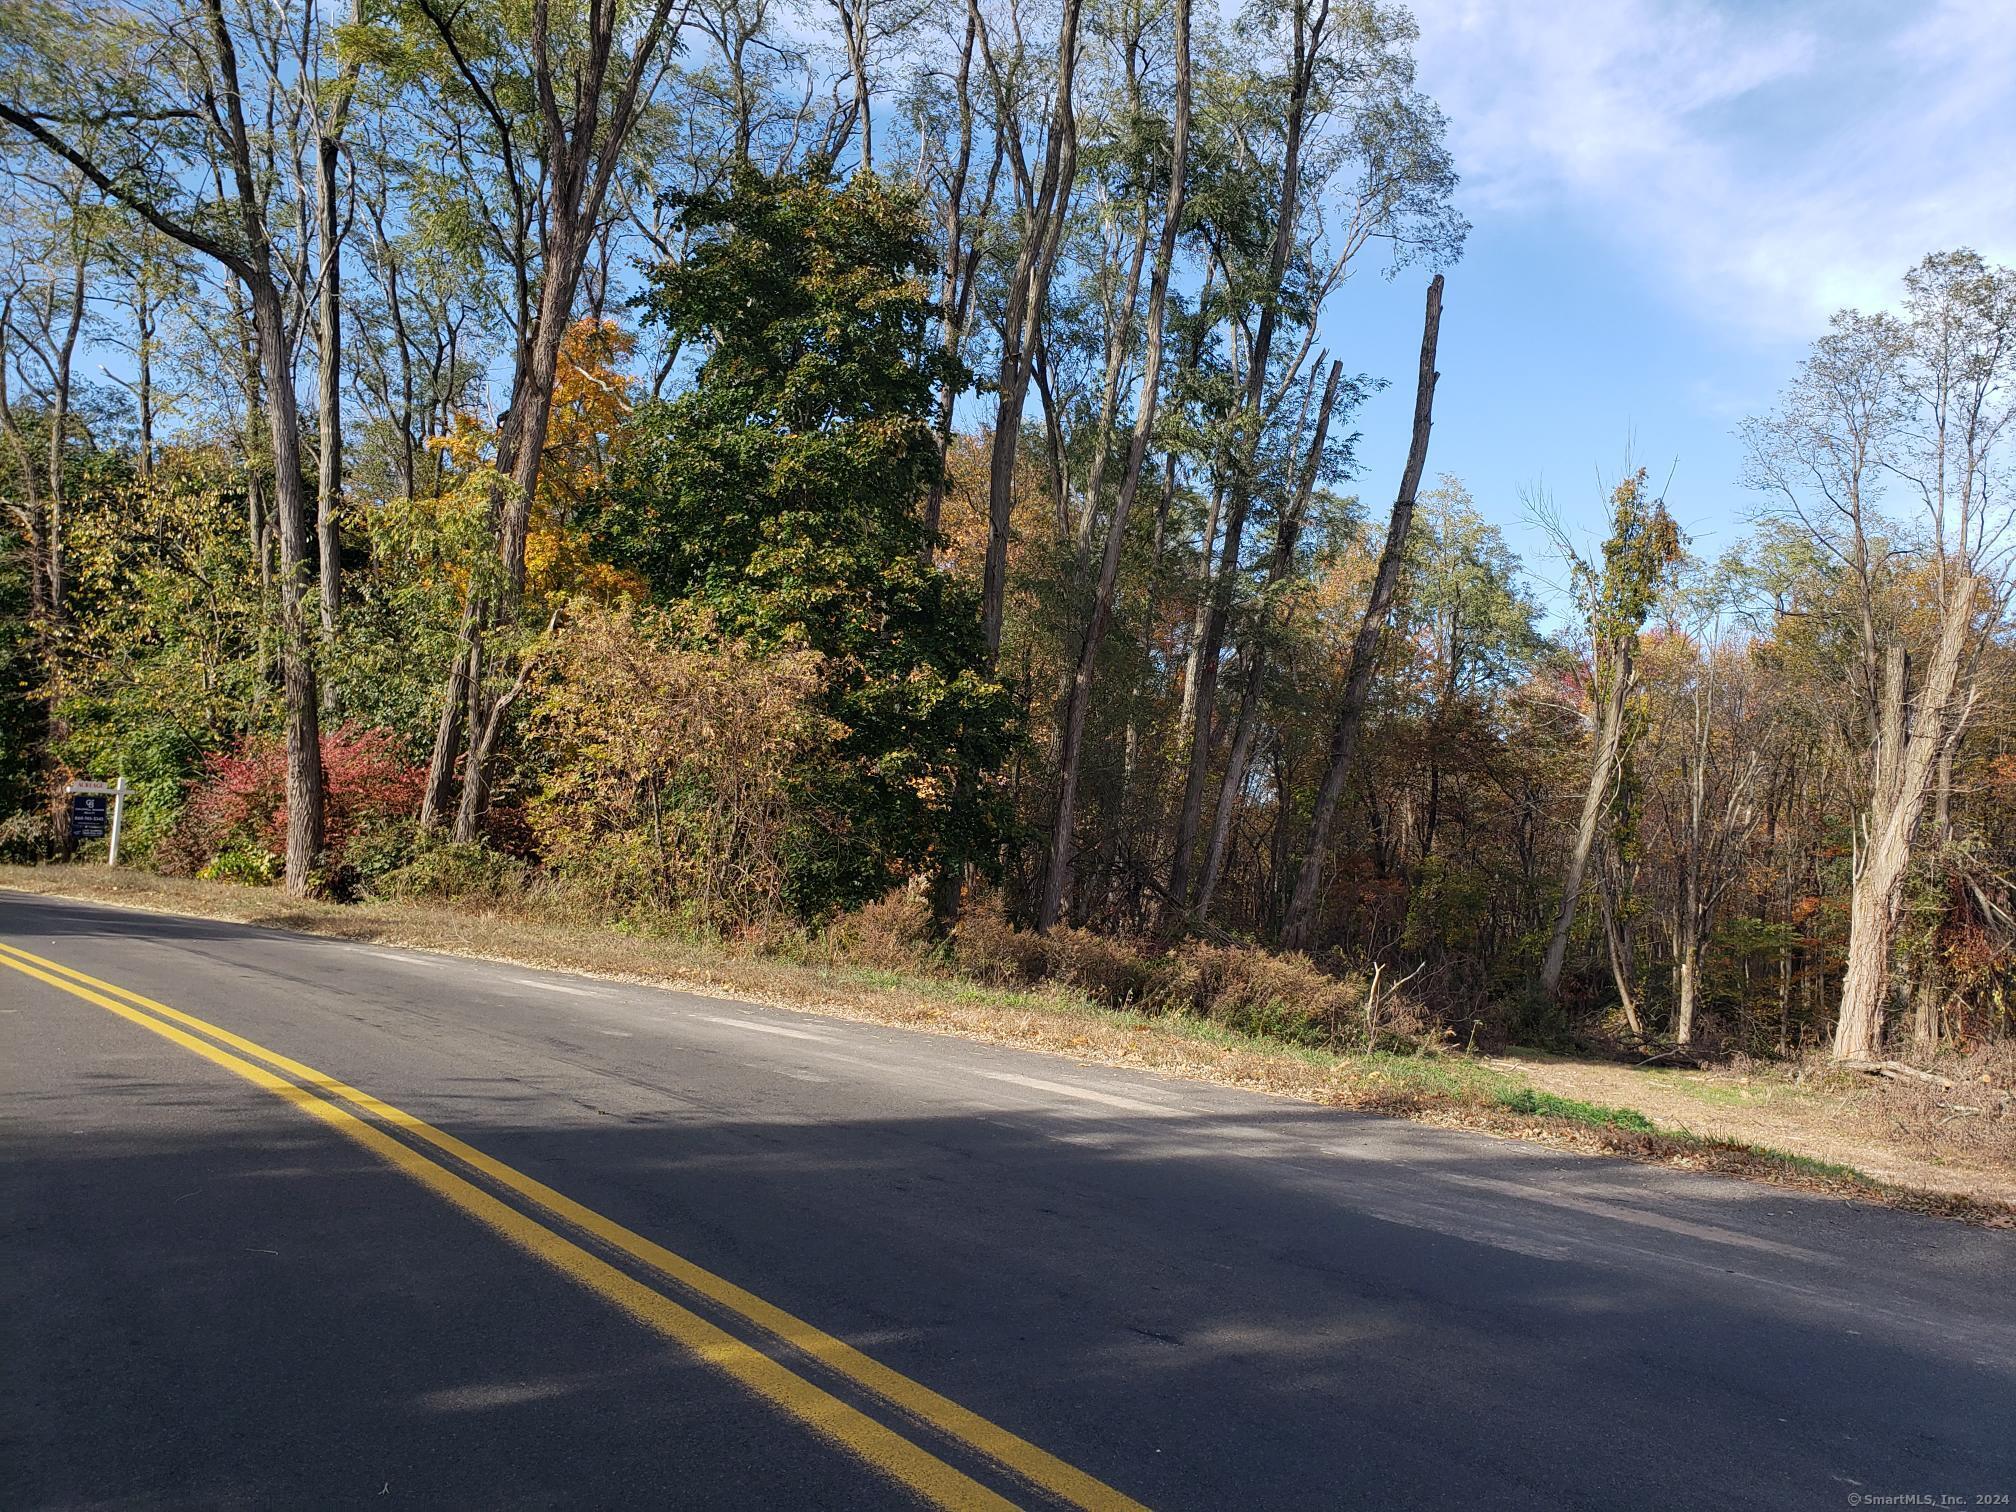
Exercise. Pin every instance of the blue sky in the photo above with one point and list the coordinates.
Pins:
(1668, 199)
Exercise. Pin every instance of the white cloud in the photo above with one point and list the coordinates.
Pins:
(1769, 160)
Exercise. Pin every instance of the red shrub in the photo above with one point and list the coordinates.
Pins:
(241, 798)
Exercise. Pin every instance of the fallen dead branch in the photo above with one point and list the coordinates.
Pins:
(1898, 1071)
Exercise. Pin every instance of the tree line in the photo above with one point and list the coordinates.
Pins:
(729, 462)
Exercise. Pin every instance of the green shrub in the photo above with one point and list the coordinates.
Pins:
(442, 870)
(247, 865)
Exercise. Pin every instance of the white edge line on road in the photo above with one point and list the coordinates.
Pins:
(1620, 1212)
(405, 958)
(735, 1023)
(1065, 1089)
(587, 992)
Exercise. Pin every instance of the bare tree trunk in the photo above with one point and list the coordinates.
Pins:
(1078, 701)
(1595, 798)
(276, 361)
(1687, 963)
(482, 736)
(959, 284)
(440, 790)
(486, 718)
(1286, 533)
(1193, 654)
(1928, 989)
(329, 368)
(1309, 37)
(1928, 1001)
(1028, 296)
(578, 160)
(1903, 773)
(1687, 978)
(1617, 937)
(59, 439)
(1301, 917)
(297, 651)
(1117, 335)
(143, 350)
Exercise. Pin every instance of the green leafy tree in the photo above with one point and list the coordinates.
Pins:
(781, 492)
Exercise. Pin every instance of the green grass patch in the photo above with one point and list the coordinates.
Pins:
(1806, 1165)
(1526, 1100)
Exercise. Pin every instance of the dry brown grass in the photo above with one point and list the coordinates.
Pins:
(826, 974)
(1973, 1120)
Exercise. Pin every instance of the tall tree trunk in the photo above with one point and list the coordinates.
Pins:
(297, 649)
(1903, 767)
(577, 161)
(1686, 986)
(1299, 923)
(1617, 937)
(482, 734)
(1117, 343)
(1287, 531)
(329, 372)
(1193, 652)
(1595, 798)
(1687, 961)
(1928, 989)
(143, 351)
(1309, 38)
(439, 792)
(59, 437)
(958, 283)
(1079, 699)
(1022, 325)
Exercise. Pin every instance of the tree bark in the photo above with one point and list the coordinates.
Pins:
(439, 793)
(276, 359)
(1617, 937)
(1300, 920)
(1203, 695)
(329, 361)
(1079, 699)
(959, 283)
(297, 650)
(59, 427)
(1595, 798)
(1286, 534)
(1903, 771)
(1028, 296)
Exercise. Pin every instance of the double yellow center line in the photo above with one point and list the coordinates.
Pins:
(366, 1120)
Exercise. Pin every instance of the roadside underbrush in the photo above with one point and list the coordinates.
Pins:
(1244, 1018)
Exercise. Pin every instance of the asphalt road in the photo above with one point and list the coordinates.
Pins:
(227, 1281)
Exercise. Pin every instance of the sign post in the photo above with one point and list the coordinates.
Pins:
(88, 817)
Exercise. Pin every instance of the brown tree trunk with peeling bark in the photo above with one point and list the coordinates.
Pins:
(1902, 778)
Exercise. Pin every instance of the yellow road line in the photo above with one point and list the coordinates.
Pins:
(1024, 1458)
(888, 1452)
